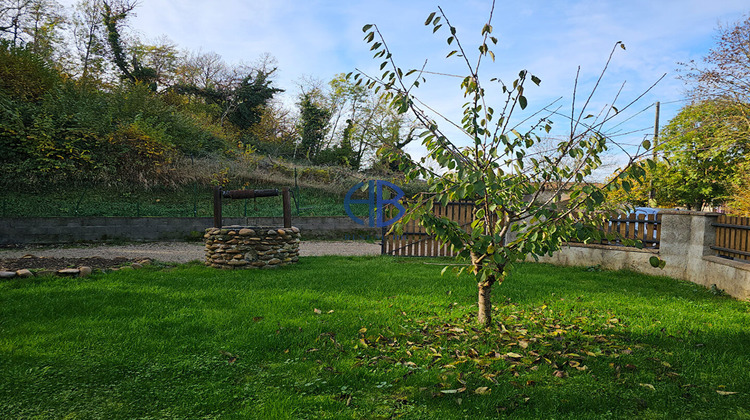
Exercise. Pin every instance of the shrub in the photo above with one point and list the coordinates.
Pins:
(23, 75)
(140, 153)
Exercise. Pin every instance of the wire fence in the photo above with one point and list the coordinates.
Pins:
(189, 201)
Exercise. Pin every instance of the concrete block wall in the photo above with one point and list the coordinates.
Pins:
(101, 229)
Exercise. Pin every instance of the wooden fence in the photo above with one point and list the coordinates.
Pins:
(733, 237)
(640, 227)
(415, 242)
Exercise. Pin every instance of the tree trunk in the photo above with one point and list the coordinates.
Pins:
(484, 315)
(485, 304)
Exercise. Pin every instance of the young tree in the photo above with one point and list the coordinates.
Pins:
(520, 210)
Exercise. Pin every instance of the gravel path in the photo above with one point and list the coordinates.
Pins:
(181, 252)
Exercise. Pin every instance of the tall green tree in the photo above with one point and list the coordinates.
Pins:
(703, 155)
(520, 211)
(247, 99)
(313, 125)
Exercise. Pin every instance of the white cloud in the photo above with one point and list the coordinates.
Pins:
(321, 38)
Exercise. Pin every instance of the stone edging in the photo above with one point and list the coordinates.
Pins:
(82, 271)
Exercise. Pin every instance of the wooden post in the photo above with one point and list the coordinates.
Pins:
(217, 207)
(652, 190)
(286, 202)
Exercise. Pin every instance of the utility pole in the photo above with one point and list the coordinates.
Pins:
(656, 131)
(652, 190)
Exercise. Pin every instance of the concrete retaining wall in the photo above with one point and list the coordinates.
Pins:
(686, 239)
(100, 229)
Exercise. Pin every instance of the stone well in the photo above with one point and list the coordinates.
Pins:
(248, 247)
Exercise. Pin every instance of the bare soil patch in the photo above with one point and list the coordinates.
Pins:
(56, 263)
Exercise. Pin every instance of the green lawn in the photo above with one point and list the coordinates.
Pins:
(336, 337)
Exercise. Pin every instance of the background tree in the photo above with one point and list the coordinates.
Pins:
(202, 70)
(46, 19)
(161, 56)
(126, 61)
(276, 133)
(702, 154)
(247, 99)
(33, 24)
(723, 77)
(90, 38)
(13, 20)
(520, 210)
(312, 127)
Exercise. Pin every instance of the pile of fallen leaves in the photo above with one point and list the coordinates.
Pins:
(523, 347)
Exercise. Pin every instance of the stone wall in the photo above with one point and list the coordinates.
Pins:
(233, 247)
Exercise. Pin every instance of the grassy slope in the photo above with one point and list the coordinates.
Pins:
(184, 201)
(321, 192)
(392, 338)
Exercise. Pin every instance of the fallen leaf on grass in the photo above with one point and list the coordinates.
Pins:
(453, 391)
(317, 311)
(482, 390)
(648, 386)
(560, 374)
(231, 358)
(513, 355)
(725, 392)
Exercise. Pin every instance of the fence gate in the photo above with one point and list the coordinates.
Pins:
(415, 242)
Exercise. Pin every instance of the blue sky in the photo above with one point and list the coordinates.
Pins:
(321, 38)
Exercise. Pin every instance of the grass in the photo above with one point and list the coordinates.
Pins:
(335, 337)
